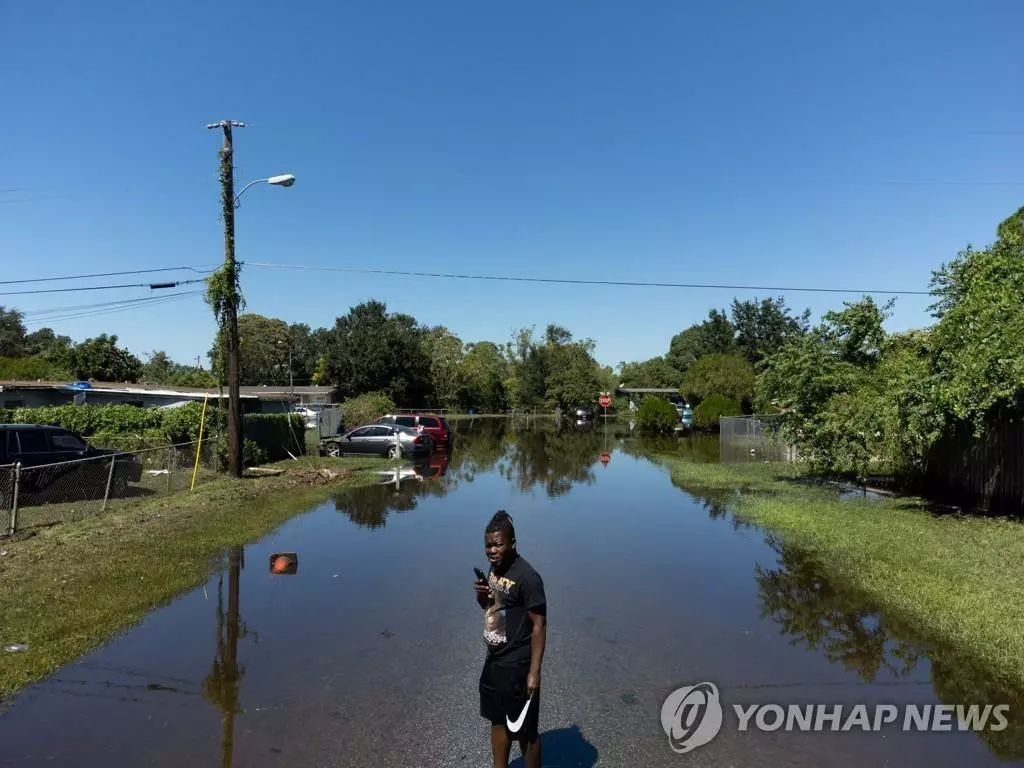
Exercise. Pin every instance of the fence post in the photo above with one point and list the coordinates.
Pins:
(170, 453)
(14, 499)
(110, 479)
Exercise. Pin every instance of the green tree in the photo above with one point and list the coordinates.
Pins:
(716, 335)
(712, 408)
(729, 375)
(373, 351)
(12, 332)
(45, 343)
(656, 414)
(482, 375)
(653, 373)
(762, 328)
(978, 341)
(829, 384)
(263, 344)
(573, 379)
(444, 350)
(100, 359)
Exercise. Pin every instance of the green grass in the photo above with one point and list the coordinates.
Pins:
(68, 588)
(955, 580)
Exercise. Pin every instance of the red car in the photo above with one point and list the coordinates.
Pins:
(433, 425)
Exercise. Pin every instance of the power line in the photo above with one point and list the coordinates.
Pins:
(100, 305)
(105, 306)
(629, 283)
(57, 318)
(105, 274)
(104, 287)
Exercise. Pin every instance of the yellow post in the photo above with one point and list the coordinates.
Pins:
(199, 445)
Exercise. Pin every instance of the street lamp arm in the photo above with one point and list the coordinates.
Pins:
(284, 180)
(258, 181)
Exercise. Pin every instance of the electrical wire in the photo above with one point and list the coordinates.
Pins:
(200, 270)
(154, 301)
(568, 281)
(78, 307)
(103, 287)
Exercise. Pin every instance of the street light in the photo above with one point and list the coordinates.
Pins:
(284, 180)
(227, 299)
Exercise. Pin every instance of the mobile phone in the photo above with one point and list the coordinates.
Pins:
(480, 575)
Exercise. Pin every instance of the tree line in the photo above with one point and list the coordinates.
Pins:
(851, 395)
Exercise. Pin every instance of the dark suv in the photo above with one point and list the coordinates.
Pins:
(34, 445)
(435, 426)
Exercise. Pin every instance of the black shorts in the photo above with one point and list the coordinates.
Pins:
(503, 694)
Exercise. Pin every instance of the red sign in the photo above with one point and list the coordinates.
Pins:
(604, 401)
(605, 458)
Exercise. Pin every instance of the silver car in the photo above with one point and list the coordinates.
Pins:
(380, 440)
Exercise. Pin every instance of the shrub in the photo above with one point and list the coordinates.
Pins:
(174, 425)
(657, 415)
(252, 454)
(366, 408)
(276, 434)
(706, 414)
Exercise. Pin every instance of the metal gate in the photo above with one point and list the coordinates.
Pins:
(753, 438)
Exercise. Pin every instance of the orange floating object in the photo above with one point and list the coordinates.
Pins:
(284, 563)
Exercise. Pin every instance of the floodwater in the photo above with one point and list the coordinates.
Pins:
(369, 654)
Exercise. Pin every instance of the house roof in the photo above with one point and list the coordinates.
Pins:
(254, 393)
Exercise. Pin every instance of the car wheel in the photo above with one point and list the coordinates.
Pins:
(393, 452)
(332, 449)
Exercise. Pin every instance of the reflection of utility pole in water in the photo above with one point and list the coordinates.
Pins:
(222, 684)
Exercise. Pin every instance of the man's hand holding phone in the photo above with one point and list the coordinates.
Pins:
(482, 589)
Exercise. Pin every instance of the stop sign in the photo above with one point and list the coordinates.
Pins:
(604, 401)
(605, 458)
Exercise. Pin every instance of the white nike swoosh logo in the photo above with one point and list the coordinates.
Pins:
(515, 726)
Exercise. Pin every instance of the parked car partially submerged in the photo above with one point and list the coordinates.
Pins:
(379, 440)
(431, 424)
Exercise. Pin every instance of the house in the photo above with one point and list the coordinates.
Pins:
(34, 394)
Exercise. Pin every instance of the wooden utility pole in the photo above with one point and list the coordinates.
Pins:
(230, 270)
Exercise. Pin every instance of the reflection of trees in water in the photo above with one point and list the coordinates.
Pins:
(527, 456)
(849, 631)
(555, 460)
(798, 597)
(700, 448)
(479, 446)
(369, 507)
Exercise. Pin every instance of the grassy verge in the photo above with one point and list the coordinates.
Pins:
(956, 580)
(68, 588)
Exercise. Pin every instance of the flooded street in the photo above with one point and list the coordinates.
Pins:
(370, 654)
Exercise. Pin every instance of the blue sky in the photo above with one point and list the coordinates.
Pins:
(793, 144)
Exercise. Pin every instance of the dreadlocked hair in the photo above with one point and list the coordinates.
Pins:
(501, 523)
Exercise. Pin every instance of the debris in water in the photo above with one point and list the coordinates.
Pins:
(3, 553)
(388, 634)
(15, 647)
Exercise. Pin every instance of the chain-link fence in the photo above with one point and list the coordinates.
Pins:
(34, 496)
(756, 438)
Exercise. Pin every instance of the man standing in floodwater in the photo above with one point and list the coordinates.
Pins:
(515, 630)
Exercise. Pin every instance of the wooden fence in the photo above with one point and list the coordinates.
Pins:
(982, 474)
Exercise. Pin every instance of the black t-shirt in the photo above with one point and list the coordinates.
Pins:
(507, 627)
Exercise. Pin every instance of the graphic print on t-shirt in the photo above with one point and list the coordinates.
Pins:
(495, 617)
